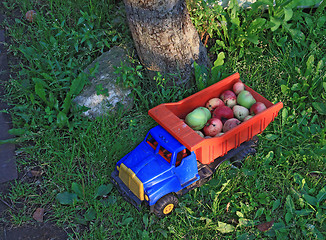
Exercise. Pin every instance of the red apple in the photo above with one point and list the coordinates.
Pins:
(238, 87)
(229, 98)
(231, 123)
(213, 127)
(223, 113)
(214, 103)
(257, 108)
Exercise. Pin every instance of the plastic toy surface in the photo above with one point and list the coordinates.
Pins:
(173, 159)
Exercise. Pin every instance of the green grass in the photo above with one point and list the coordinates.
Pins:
(284, 182)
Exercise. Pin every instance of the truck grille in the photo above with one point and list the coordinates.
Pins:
(132, 181)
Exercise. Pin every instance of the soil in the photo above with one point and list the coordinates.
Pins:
(33, 229)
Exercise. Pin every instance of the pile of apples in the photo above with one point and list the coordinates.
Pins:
(224, 112)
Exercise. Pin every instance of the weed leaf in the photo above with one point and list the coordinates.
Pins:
(289, 204)
(256, 24)
(62, 119)
(320, 107)
(224, 227)
(303, 212)
(145, 220)
(67, 198)
(240, 214)
(310, 199)
(272, 137)
(288, 13)
(276, 204)
(90, 214)
(80, 220)
(77, 84)
(17, 131)
(40, 91)
(252, 38)
(163, 232)
(103, 190)
(219, 60)
(127, 221)
(321, 195)
(77, 188)
(259, 212)
(246, 222)
(276, 23)
(310, 65)
(288, 217)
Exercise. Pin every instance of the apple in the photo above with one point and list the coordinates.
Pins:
(247, 118)
(207, 112)
(214, 103)
(257, 108)
(223, 113)
(230, 123)
(229, 98)
(240, 112)
(196, 119)
(213, 127)
(200, 133)
(238, 87)
(219, 134)
(245, 99)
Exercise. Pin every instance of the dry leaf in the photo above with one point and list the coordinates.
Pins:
(265, 226)
(227, 206)
(38, 214)
(36, 173)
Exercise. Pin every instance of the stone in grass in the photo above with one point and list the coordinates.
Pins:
(100, 104)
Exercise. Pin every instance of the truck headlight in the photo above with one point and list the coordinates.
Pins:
(146, 197)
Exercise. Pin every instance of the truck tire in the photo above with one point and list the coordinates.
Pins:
(165, 205)
(238, 160)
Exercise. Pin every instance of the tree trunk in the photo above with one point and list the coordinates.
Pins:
(164, 36)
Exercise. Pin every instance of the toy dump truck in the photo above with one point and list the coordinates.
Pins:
(173, 159)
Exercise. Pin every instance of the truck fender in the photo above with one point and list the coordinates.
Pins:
(171, 185)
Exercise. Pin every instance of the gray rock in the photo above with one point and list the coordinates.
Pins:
(102, 104)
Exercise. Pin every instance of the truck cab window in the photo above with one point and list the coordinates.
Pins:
(151, 141)
(181, 155)
(165, 154)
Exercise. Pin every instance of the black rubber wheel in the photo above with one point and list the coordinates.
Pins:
(165, 205)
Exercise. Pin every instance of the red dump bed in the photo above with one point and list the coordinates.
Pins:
(169, 116)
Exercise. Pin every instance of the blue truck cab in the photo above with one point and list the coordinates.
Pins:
(159, 167)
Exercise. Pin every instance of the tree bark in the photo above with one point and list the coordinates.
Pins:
(164, 36)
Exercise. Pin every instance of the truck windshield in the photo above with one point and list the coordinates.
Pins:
(162, 151)
(151, 141)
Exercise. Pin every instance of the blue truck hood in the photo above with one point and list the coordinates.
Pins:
(149, 167)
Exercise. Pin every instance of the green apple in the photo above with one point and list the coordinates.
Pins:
(197, 118)
(207, 112)
(245, 99)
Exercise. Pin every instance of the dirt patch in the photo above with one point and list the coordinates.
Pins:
(44, 231)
